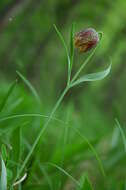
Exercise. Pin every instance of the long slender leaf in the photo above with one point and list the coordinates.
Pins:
(3, 181)
(15, 143)
(122, 133)
(85, 184)
(92, 77)
(65, 47)
(29, 115)
(93, 150)
(4, 152)
(34, 92)
(65, 172)
(10, 90)
(72, 44)
(45, 174)
(20, 180)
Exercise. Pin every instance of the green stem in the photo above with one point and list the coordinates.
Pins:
(70, 70)
(83, 65)
(69, 75)
(42, 131)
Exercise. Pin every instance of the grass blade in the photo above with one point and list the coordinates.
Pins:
(20, 180)
(72, 44)
(10, 90)
(34, 92)
(93, 150)
(3, 181)
(85, 184)
(65, 172)
(66, 49)
(29, 115)
(122, 133)
(4, 153)
(45, 174)
(16, 147)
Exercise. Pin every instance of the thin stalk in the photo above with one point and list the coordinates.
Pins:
(70, 70)
(69, 75)
(71, 55)
(83, 65)
(41, 132)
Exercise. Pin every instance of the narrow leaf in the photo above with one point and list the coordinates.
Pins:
(46, 176)
(122, 133)
(85, 184)
(92, 77)
(4, 152)
(72, 44)
(10, 90)
(93, 150)
(65, 172)
(5, 118)
(15, 143)
(3, 181)
(29, 86)
(20, 180)
(64, 45)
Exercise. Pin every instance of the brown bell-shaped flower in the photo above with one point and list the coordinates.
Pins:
(86, 39)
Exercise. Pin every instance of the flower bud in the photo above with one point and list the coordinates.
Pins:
(86, 39)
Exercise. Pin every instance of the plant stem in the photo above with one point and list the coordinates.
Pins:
(41, 132)
(69, 75)
(70, 70)
(83, 65)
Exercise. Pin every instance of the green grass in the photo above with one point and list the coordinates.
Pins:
(64, 145)
(46, 151)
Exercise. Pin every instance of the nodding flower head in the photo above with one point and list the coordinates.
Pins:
(86, 39)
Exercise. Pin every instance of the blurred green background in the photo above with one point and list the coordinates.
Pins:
(28, 43)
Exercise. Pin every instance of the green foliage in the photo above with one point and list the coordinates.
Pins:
(4, 152)
(72, 32)
(92, 77)
(30, 86)
(122, 134)
(85, 184)
(16, 144)
(7, 95)
(66, 49)
(79, 140)
(3, 180)
(66, 173)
